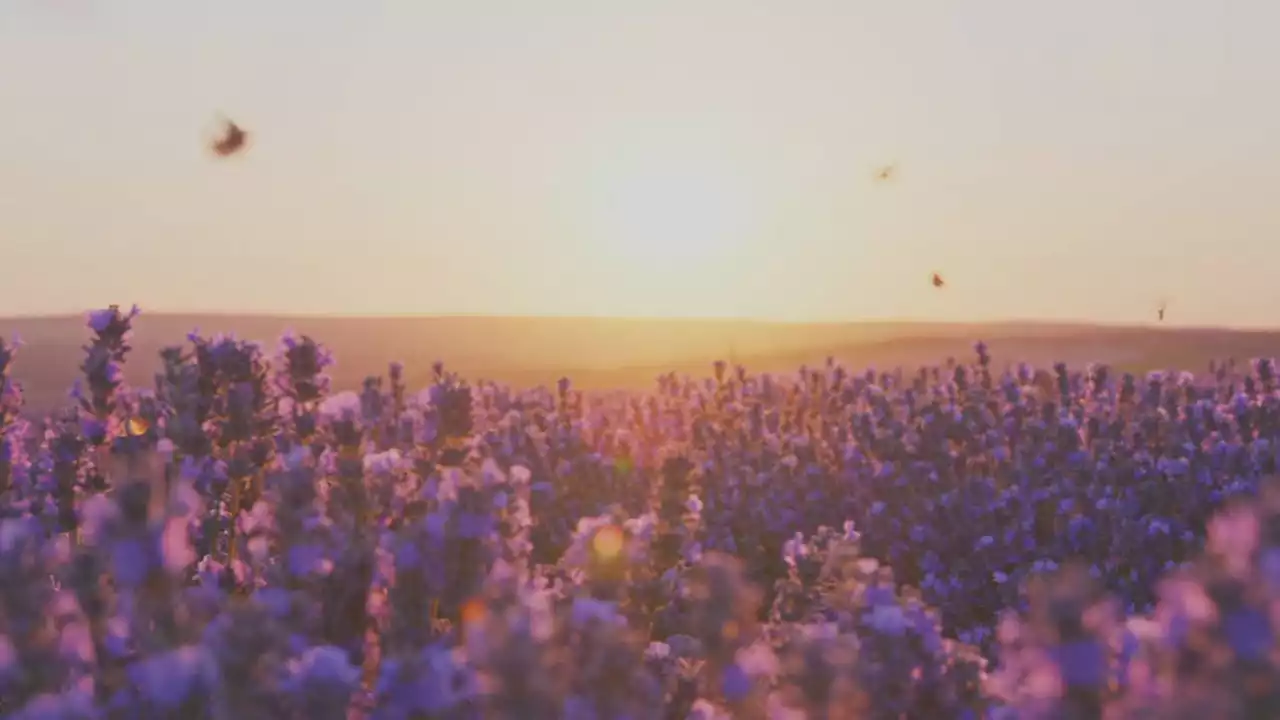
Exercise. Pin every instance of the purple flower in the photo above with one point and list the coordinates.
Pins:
(1248, 632)
(131, 561)
(309, 559)
(735, 682)
(1082, 663)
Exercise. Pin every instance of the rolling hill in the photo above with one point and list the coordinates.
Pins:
(600, 353)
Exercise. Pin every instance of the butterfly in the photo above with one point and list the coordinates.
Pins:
(938, 282)
(232, 141)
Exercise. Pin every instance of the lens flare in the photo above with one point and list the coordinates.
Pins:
(473, 611)
(607, 543)
(138, 426)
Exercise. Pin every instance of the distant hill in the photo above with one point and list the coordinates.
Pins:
(599, 353)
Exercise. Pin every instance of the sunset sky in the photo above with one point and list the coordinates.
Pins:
(1056, 160)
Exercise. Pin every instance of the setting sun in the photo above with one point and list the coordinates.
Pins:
(670, 214)
(670, 205)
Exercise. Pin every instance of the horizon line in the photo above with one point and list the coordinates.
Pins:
(1042, 322)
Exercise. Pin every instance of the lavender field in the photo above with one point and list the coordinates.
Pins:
(235, 539)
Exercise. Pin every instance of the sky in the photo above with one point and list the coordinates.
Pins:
(705, 158)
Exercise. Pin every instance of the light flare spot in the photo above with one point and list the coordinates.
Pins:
(607, 543)
(138, 426)
(473, 611)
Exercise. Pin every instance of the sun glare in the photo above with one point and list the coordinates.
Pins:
(665, 214)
